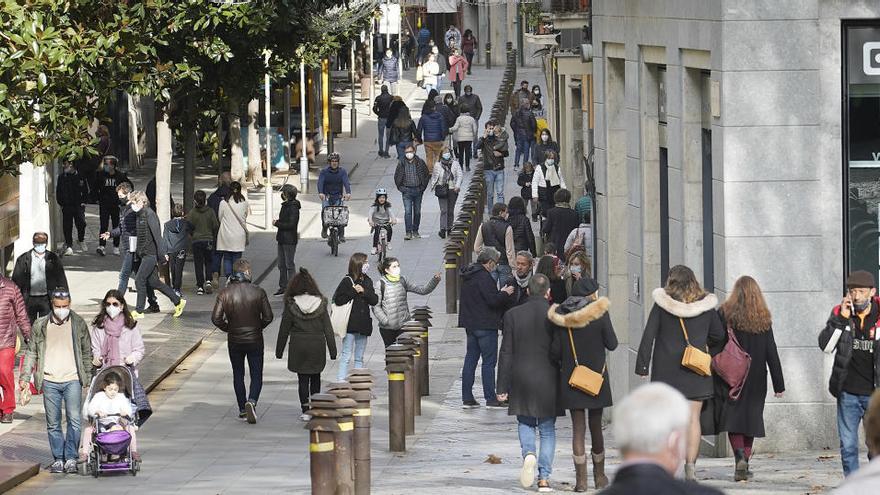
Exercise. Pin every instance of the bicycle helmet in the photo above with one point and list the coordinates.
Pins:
(333, 156)
(381, 192)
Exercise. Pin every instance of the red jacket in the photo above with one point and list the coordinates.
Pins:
(13, 314)
(458, 67)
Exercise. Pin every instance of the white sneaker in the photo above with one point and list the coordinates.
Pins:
(116, 251)
(527, 474)
(83, 247)
(305, 417)
(67, 251)
(373, 251)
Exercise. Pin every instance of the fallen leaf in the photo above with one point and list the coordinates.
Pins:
(493, 459)
(825, 457)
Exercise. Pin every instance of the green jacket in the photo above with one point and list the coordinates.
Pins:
(205, 223)
(36, 350)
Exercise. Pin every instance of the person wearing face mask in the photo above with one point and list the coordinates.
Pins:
(851, 333)
(497, 233)
(392, 310)
(287, 236)
(578, 267)
(446, 183)
(355, 288)
(547, 180)
(458, 68)
(71, 193)
(523, 125)
(493, 149)
(537, 106)
(36, 272)
(108, 202)
(544, 144)
(13, 319)
(520, 98)
(59, 356)
(470, 102)
(411, 178)
(389, 72)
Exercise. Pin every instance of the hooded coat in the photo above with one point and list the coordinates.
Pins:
(306, 324)
(176, 235)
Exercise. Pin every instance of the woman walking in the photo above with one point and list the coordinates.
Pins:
(524, 180)
(446, 183)
(402, 131)
(205, 225)
(392, 311)
(523, 235)
(583, 332)
(458, 68)
(469, 47)
(232, 238)
(683, 315)
(745, 314)
(356, 288)
(578, 267)
(464, 132)
(546, 182)
(306, 324)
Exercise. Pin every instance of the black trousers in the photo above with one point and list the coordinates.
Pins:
(254, 355)
(148, 274)
(202, 258)
(108, 214)
(470, 59)
(388, 232)
(38, 306)
(465, 148)
(389, 336)
(73, 215)
(175, 269)
(308, 384)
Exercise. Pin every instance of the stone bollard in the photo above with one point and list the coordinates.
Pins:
(411, 342)
(322, 446)
(451, 259)
(422, 315)
(346, 406)
(396, 367)
(405, 353)
(362, 383)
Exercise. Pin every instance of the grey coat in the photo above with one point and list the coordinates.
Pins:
(393, 311)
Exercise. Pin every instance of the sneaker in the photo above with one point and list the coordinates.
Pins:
(66, 250)
(279, 292)
(100, 251)
(57, 467)
(70, 466)
(136, 315)
(408, 236)
(305, 417)
(442, 233)
(544, 486)
(209, 289)
(153, 308)
(469, 404)
(200, 291)
(495, 404)
(373, 251)
(116, 251)
(178, 310)
(250, 410)
(416, 235)
(527, 473)
(242, 415)
(6, 418)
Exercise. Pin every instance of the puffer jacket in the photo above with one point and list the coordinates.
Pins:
(388, 71)
(176, 234)
(432, 127)
(393, 310)
(844, 348)
(452, 174)
(35, 357)
(523, 235)
(465, 128)
(306, 324)
(13, 314)
(242, 310)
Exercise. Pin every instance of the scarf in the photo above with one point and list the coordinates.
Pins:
(392, 278)
(552, 175)
(110, 348)
(522, 282)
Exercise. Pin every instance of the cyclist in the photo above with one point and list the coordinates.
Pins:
(333, 188)
(381, 217)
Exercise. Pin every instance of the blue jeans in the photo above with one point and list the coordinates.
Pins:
(63, 448)
(528, 443)
(359, 342)
(850, 411)
(401, 149)
(494, 183)
(229, 258)
(254, 355)
(383, 147)
(412, 207)
(481, 344)
(522, 150)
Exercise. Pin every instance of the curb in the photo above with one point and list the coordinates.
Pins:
(20, 472)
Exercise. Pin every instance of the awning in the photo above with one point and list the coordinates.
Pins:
(442, 6)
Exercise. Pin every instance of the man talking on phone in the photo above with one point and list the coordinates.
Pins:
(851, 333)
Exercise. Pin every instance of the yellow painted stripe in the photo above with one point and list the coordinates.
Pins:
(418, 353)
(347, 426)
(321, 447)
(363, 412)
(396, 377)
(450, 265)
(425, 335)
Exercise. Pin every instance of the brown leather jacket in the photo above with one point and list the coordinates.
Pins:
(242, 311)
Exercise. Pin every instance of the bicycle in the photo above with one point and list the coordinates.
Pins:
(382, 249)
(335, 218)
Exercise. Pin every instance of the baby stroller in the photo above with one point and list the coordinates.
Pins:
(111, 450)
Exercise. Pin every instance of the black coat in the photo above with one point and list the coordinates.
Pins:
(106, 187)
(664, 342)
(525, 369)
(523, 235)
(481, 303)
(651, 479)
(71, 190)
(522, 179)
(592, 333)
(55, 277)
(288, 223)
(843, 350)
(561, 220)
(360, 321)
(558, 291)
(310, 335)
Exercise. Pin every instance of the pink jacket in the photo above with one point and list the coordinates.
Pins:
(130, 344)
(13, 314)
(458, 67)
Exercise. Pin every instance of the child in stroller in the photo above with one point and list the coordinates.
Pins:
(110, 410)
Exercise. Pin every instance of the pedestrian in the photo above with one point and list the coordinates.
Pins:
(550, 266)
(545, 144)
(458, 68)
(481, 305)
(306, 324)
(452, 38)
(333, 188)
(850, 333)
(447, 108)
(493, 150)
(59, 355)
(537, 105)
(205, 226)
(430, 73)
(402, 131)
(546, 182)
(561, 220)
(407, 44)
(392, 311)
(528, 376)
(520, 98)
(381, 107)
(36, 273)
(224, 180)
(411, 178)
(394, 108)
(150, 249)
(150, 190)
(471, 103)
(469, 47)
(355, 288)
(523, 125)
(584, 205)
(233, 236)
(577, 268)
(442, 66)
(464, 133)
(650, 427)
(13, 319)
(381, 217)
(867, 479)
(523, 235)
(176, 234)
(108, 202)
(582, 333)
(389, 72)
(423, 37)
(72, 193)
(496, 232)
(287, 236)
(432, 131)
(581, 237)
(519, 280)
(746, 315)
(683, 315)
(446, 184)
(242, 310)
(524, 180)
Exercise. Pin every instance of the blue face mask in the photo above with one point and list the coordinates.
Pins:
(40, 248)
(575, 269)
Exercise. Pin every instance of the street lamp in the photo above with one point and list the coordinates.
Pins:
(268, 90)
(303, 159)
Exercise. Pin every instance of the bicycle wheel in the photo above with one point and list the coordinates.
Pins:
(334, 241)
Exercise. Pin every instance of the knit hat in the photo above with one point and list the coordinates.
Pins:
(860, 279)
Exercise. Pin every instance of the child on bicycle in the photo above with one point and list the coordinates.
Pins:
(381, 217)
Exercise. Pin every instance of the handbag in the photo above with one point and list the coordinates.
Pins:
(732, 365)
(340, 314)
(583, 378)
(694, 359)
(442, 190)
(247, 236)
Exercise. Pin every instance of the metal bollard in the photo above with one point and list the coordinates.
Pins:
(488, 55)
(412, 343)
(396, 367)
(346, 407)
(452, 255)
(405, 353)
(322, 455)
(362, 383)
(422, 318)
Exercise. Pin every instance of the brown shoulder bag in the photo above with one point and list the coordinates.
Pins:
(694, 359)
(583, 378)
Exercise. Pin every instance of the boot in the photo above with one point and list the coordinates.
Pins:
(741, 471)
(599, 477)
(580, 471)
(690, 473)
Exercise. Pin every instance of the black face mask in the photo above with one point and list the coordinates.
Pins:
(859, 307)
(123, 201)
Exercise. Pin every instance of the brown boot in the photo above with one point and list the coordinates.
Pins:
(580, 471)
(599, 470)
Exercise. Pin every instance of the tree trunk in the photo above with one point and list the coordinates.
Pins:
(236, 168)
(255, 169)
(163, 167)
(189, 166)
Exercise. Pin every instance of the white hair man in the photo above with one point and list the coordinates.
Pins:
(650, 426)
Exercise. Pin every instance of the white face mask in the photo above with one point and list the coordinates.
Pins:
(447, 156)
(545, 138)
(394, 271)
(61, 313)
(365, 268)
(410, 155)
(113, 311)
(136, 207)
(550, 162)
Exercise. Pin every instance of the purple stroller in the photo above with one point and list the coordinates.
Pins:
(111, 450)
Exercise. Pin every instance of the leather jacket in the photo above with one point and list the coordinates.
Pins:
(242, 310)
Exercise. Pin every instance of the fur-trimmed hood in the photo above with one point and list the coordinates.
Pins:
(684, 310)
(580, 317)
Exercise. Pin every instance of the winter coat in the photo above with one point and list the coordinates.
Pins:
(471, 104)
(424, 36)
(217, 197)
(843, 350)
(592, 333)
(524, 180)
(541, 148)
(205, 223)
(402, 132)
(560, 221)
(149, 235)
(13, 314)
(647, 478)
(526, 371)
(55, 276)
(127, 225)
(458, 67)
(232, 235)
(176, 234)
(306, 324)
(71, 190)
(540, 187)
(468, 44)
(35, 356)
(359, 322)
(430, 70)
(334, 183)
(449, 115)
(394, 108)
(481, 304)
(421, 170)
(388, 70)
(382, 105)
(242, 310)
(584, 232)
(520, 98)
(130, 344)
(452, 175)
(488, 145)
(288, 222)
(523, 235)
(664, 335)
(497, 233)
(523, 124)
(465, 128)
(392, 311)
(107, 183)
(432, 127)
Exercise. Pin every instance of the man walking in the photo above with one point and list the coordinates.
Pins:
(287, 236)
(480, 310)
(381, 107)
(389, 72)
(424, 37)
(452, 38)
(528, 374)
(242, 310)
(35, 273)
(851, 333)
(497, 233)
(469, 102)
(524, 125)
(432, 131)
(522, 97)
(72, 193)
(333, 188)
(411, 178)
(60, 354)
(493, 150)
(108, 203)
(13, 318)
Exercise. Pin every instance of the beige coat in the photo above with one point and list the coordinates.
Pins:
(231, 236)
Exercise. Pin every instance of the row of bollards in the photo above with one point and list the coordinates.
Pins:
(406, 362)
